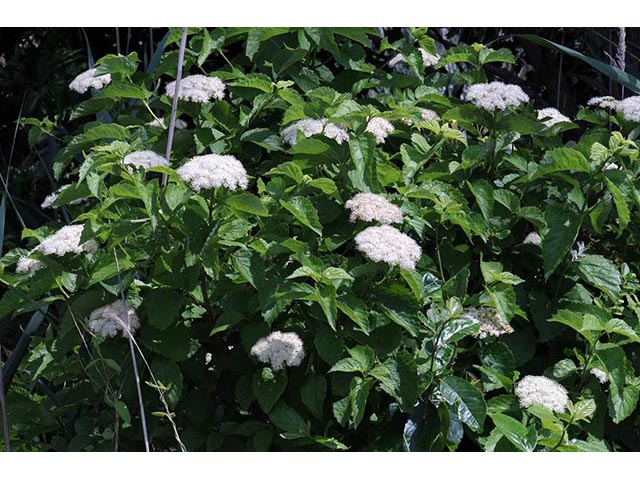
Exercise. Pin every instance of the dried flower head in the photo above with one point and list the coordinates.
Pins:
(496, 96)
(159, 123)
(490, 321)
(630, 108)
(87, 80)
(533, 238)
(552, 115)
(107, 321)
(198, 88)
(312, 126)
(370, 207)
(28, 265)
(145, 159)
(211, 171)
(380, 128)
(602, 102)
(428, 114)
(52, 197)
(66, 240)
(388, 244)
(540, 390)
(280, 349)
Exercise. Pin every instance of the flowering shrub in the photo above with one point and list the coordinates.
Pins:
(350, 257)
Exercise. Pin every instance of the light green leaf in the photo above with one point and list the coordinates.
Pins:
(467, 399)
(303, 210)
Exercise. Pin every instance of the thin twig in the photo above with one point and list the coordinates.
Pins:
(3, 409)
(176, 94)
(133, 355)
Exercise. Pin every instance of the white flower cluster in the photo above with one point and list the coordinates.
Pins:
(87, 80)
(552, 115)
(630, 107)
(145, 159)
(533, 238)
(50, 199)
(371, 207)
(312, 126)
(66, 240)
(428, 114)
(28, 265)
(610, 166)
(540, 390)
(159, 123)
(211, 171)
(578, 252)
(280, 349)
(198, 88)
(107, 321)
(602, 102)
(388, 244)
(496, 96)
(490, 322)
(380, 128)
(601, 375)
(428, 59)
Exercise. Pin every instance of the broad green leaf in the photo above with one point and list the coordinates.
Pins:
(290, 421)
(559, 236)
(313, 393)
(563, 159)
(467, 399)
(358, 398)
(168, 373)
(268, 386)
(163, 306)
(356, 310)
(624, 214)
(602, 273)
(513, 431)
(303, 210)
(399, 378)
(247, 202)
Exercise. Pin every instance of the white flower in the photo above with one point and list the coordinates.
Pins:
(553, 116)
(387, 244)
(145, 159)
(578, 251)
(599, 374)
(380, 128)
(312, 126)
(336, 132)
(28, 265)
(66, 240)
(428, 59)
(280, 349)
(371, 207)
(496, 95)
(399, 58)
(198, 88)
(107, 321)
(86, 80)
(159, 123)
(540, 390)
(211, 171)
(533, 238)
(490, 321)
(428, 114)
(630, 107)
(602, 102)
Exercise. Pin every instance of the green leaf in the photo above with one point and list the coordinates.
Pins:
(358, 395)
(125, 65)
(268, 387)
(559, 236)
(263, 137)
(563, 159)
(290, 421)
(467, 399)
(483, 192)
(117, 90)
(247, 202)
(602, 273)
(624, 215)
(364, 177)
(303, 210)
(399, 378)
(513, 431)
(168, 373)
(313, 393)
(356, 309)
(163, 306)
(209, 44)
